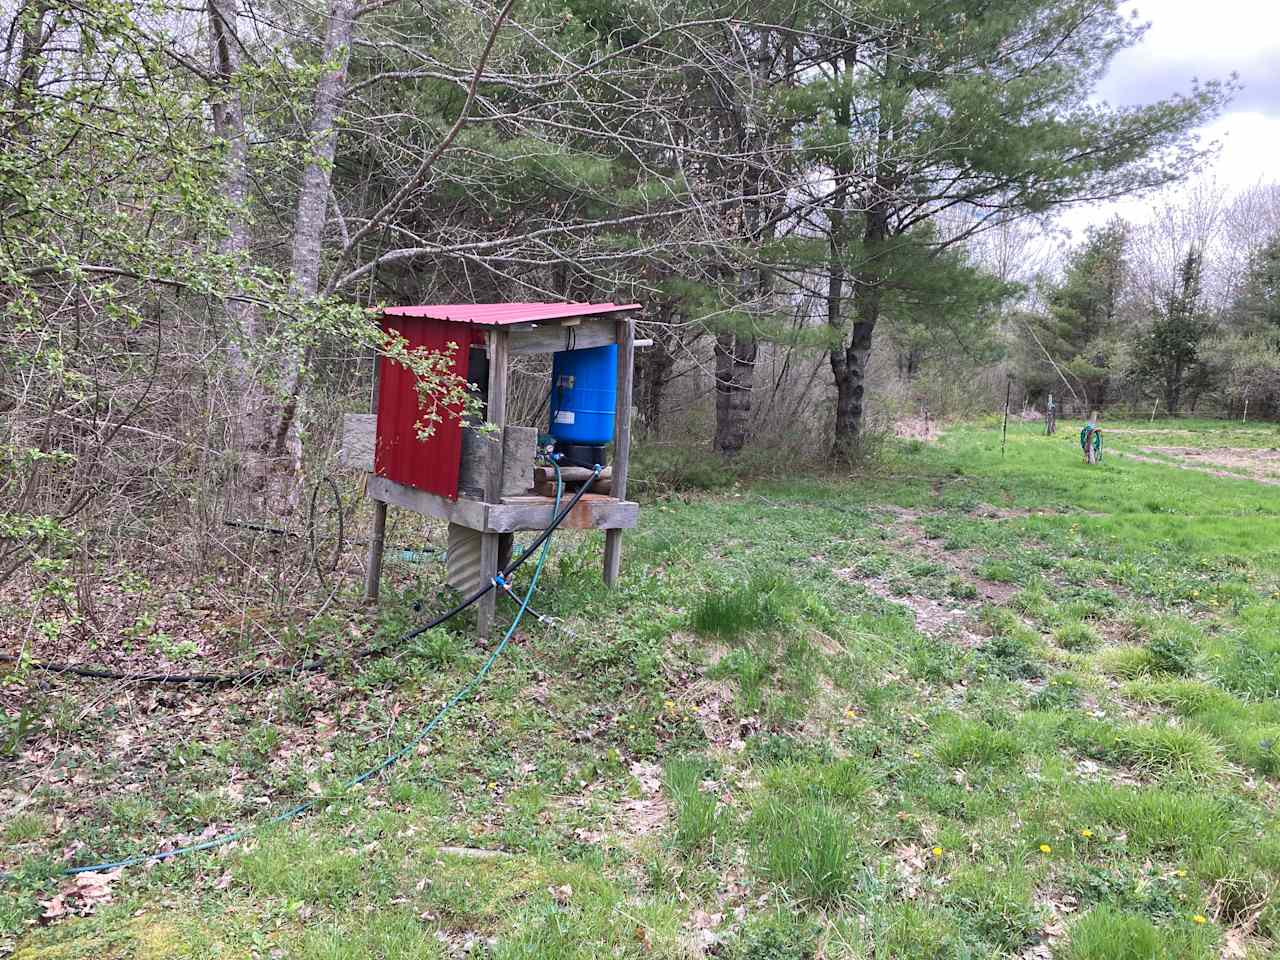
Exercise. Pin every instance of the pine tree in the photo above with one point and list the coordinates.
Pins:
(918, 108)
(1167, 357)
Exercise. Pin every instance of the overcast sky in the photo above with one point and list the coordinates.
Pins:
(1206, 39)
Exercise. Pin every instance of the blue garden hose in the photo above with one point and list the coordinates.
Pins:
(390, 761)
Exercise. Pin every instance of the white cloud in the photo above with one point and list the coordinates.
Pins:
(1191, 38)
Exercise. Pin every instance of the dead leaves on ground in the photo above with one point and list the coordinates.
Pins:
(80, 896)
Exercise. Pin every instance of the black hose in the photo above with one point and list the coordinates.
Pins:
(260, 528)
(306, 666)
(311, 529)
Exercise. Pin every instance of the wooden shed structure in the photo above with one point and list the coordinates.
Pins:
(483, 486)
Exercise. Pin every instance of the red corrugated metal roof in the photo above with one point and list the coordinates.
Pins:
(500, 314)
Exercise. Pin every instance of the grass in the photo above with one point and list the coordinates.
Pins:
(695, 808)
(1108, 934)
(752, 748)
(808, 848)
(763, 600)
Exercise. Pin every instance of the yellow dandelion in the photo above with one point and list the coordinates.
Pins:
(916, 754)
(851, 713)
(937, 852)
(1045, 848)
(1198, 918)
(1179, 873)
(1086, 833)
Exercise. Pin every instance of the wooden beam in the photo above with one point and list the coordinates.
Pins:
(377, 538)
(625, 332)
(499, 355)
(527, 512)
(570, 475)
(373, 570)
(552, 337)
(592, 512)
(487, 605)
(490, 546)
(468, 513)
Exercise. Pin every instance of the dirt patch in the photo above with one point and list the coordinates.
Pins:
(961, 562)
(644, 815)
(712, 701)
(917, 428)
(1239, 463)
(933, 618)
(989, 512)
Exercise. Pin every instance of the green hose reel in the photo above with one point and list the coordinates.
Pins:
(1091, 443)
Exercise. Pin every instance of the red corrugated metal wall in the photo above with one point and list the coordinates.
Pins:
(431, 464)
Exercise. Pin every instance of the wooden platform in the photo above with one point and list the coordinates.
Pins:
(527, 512)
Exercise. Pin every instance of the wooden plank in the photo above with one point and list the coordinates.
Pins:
(552, 337)
(576, 475)
(518, 448)
(468, 513)
(547, 488)
(499, 355)
(488, 567)
(626, 334)
(373, 571)
(592, 512)
(359, 432)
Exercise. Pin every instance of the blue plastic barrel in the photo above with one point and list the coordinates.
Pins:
(584, 391)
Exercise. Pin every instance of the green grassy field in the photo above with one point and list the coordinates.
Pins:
(959, 706)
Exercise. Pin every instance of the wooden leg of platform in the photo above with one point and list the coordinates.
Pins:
(612, 556)
(506, 541)
(489, 545)
(373, 572)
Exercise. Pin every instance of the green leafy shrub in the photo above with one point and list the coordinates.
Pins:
(1012, 648)
(996, 901)
(1252, 663)
(774, 748)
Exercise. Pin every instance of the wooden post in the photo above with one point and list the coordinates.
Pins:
(1004, 434)
(373, 569)
(490, 543)
(626, 333)
(373, 572)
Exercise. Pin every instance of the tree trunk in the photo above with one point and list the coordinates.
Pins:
(735, 353)
(735, 378)
(1173, 389)
(266, 421)
(251, 401)
(653, 369)
(308, 230)
(27, 80)
(849, 367)
(849, 362)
